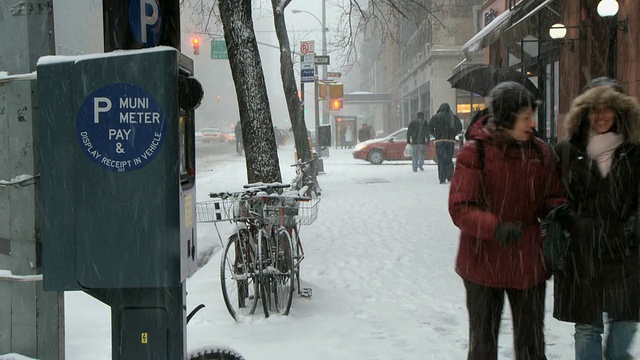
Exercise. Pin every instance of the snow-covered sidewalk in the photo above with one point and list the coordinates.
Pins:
(379, 259)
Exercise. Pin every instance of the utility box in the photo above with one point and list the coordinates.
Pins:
(117, 183)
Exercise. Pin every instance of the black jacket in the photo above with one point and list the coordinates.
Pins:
(602, 267)
(417, 132)
(445, 124)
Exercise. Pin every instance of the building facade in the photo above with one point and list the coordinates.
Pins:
(517, 35)
(413, 67)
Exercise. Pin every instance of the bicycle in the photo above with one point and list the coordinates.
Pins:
(305, 182)
(238, 267)
(257, 261)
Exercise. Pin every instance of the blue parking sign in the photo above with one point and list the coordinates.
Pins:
(145, 20)
(120, 127)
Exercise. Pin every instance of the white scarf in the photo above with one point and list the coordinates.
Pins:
(601, 148)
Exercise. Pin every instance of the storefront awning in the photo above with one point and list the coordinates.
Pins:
(523, 20)
(488, 34)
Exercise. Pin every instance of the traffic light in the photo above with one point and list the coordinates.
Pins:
(196, 46)
(336, 104)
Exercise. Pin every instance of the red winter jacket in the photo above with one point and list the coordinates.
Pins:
(521, 185)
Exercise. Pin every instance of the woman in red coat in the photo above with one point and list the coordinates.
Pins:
(505, 181)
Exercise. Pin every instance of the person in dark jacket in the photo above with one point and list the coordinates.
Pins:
(237, 130)
(505, 180)
(417, 136)
(364, 133)
(444, 126)
(600, 168)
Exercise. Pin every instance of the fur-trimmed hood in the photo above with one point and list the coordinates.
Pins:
(627, 108)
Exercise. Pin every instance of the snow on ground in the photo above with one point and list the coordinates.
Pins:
(380, 261)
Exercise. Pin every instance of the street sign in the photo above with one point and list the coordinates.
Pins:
(307, 47)
(306, 62)
(219, 50)
(307, 75)
(307, 70)
(145, 21)
(334, 74)
(321, 60)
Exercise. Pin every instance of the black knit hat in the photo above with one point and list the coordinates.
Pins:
(507, 100)
(603, 81)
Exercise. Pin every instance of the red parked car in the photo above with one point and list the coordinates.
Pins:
(391, 147)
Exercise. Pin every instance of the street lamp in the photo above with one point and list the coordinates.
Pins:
(322, 23)
(608, 9)
(557, 31)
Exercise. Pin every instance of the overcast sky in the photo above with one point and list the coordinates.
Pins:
(78, 29)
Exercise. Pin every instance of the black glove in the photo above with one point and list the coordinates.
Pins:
(561, 214)
(631, 231)
(508, 233)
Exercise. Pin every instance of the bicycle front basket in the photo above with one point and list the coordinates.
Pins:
(221, 210)
(307, 211)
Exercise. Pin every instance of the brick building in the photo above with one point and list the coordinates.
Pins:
(516, 34)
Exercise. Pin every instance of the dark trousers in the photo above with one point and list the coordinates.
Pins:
(485, 309)
(444, 151)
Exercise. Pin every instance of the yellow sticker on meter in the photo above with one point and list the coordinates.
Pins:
(188, 210)
(144, 338)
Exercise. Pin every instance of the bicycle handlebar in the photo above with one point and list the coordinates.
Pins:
(300, 163)
(265, 186)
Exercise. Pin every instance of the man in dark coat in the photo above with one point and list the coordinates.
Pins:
(237, 130)
(444, 126)
(600, 166)
(364, 133)
(417, 136)
(505, 180)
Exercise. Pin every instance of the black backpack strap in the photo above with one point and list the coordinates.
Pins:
(480, 150)
(481, 160)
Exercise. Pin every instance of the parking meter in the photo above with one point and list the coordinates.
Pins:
(117, 186)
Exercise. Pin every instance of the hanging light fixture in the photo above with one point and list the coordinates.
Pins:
(558, 31)
(608, 8)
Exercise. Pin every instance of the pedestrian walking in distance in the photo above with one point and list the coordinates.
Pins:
(444, 126)
(417, 136)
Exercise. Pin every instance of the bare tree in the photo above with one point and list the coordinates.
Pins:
(255, 115)
(381, 16)
(294, 105)
(377, 21)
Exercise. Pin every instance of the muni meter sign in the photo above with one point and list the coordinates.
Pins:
(120, 127)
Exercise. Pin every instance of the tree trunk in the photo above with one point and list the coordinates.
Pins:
(294, 105)
(258, 136)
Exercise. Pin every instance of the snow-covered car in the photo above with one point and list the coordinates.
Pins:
(230, 136)
(212, 134)
(198, 136)
(391, 147)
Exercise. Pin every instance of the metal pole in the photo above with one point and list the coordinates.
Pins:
(325, 113)
(317, 111)
(613, 47)
(32, 320)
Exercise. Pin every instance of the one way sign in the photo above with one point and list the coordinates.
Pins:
(321, 60)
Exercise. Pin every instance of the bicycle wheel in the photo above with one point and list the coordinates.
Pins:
(263, 265)
(297, 257)
(238, 275)
(283, 276)
(216, 354)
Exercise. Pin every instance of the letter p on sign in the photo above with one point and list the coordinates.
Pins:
(100, 105)
(145, 19)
